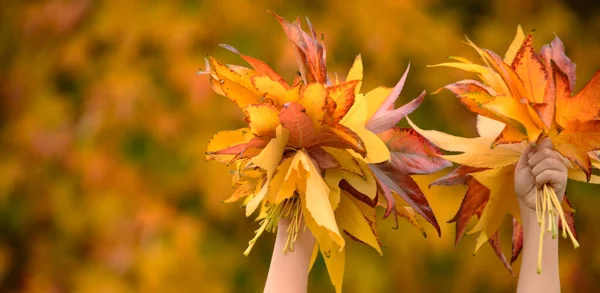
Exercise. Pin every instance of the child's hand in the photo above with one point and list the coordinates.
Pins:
(538, 166)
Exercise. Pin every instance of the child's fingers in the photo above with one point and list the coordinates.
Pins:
(540, 155)
(548, 176)
(548, 163)
(524, 158)
(545, 143)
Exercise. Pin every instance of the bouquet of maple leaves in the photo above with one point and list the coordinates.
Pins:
(522, 98)
(318, 151)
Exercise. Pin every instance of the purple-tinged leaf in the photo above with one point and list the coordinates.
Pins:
(386, 116)
(389, 118)
(470, 86)
(324, 159)
(495, 243)
(389, 198)
(517, 240)
(260, 66)
(475, 199)
(344, 185)
(411, 153)
(310, 52)
(457, 176)
(407, 189)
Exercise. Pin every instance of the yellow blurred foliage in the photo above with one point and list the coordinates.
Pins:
(103, 126)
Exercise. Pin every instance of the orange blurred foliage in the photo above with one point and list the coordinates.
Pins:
(103, 126)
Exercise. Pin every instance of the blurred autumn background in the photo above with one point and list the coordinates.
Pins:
(103, 126)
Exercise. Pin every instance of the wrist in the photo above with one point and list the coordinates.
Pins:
(527, 203)
(526, 209)
(528, 216)
(289, 269)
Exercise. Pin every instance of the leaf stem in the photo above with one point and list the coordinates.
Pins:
(548, 205)
(541, 244)
(275, 212)
(561, 214)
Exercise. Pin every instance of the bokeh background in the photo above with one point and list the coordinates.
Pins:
(103, 125)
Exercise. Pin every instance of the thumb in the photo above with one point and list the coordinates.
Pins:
(523, 160)
(545, 143)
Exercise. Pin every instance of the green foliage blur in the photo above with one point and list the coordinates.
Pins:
(103, 125)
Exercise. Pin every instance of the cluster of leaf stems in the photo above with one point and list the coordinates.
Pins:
(288, 209)
(546, 202)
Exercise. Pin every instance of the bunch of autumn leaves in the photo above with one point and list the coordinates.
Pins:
(320, 152)
(521, 98)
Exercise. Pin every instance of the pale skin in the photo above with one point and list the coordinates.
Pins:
(289, 270)
(537, 166)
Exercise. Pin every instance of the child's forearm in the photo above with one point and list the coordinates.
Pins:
(289, 270)
(529, 280)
